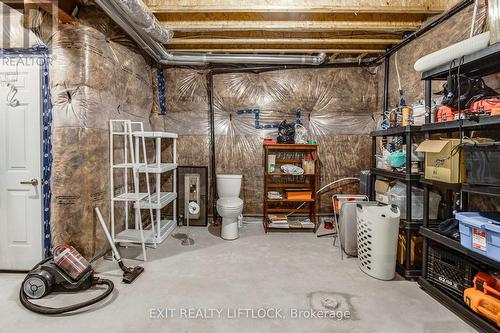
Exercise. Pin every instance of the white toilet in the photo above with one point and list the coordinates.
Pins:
(229, 205)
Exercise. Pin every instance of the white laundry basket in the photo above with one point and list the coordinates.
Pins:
(378, 227)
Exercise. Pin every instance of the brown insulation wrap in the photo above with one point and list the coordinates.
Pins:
(338, 107)
(95, 76)
(94, 80)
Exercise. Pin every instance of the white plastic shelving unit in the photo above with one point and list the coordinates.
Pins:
(134, 143)
(131, 161)
(159, 200)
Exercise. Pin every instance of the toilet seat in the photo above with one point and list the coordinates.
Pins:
(229, 203)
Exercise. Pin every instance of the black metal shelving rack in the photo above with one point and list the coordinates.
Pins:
(482, 63)
(410, 226)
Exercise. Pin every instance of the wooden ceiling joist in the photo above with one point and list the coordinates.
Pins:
(291, 26)
(268, 41)
(301, 50)
(304, 6)
(59, 9)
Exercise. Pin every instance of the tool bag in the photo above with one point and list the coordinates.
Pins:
(471, 90)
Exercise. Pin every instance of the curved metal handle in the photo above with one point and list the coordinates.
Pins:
(33, 182)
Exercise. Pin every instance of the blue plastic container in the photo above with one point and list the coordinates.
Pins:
(480, 232)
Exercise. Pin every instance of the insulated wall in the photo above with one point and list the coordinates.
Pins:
(455, 29)
(336, 106)
(96, 75)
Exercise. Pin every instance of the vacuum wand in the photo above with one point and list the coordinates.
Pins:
(129, 273)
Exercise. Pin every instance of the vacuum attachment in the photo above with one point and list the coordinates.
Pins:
(129, 273)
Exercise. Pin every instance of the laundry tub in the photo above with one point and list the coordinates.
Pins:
(377, 227)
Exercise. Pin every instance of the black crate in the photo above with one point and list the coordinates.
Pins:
(450, 271)
(482, 163)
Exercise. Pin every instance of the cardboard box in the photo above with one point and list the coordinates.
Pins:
(382, 186)
(381, 191)
(443, 161)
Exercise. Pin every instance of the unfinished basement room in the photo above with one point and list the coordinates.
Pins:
(228, 166)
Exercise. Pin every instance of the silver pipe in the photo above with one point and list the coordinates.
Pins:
(247, 58)
(158, 52)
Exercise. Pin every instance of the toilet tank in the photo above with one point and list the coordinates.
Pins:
(228, 186)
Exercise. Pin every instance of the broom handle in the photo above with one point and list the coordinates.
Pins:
(116, 254)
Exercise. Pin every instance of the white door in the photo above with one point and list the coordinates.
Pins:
(21, 226)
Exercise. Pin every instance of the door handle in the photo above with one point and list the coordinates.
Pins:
(33, 182)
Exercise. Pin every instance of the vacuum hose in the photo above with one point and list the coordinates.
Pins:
(54, 311)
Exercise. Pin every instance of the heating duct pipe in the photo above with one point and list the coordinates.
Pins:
(121, 12)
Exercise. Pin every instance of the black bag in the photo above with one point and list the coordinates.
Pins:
(471, 90)
(286, 132)
(450, 228)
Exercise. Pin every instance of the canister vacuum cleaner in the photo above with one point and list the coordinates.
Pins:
(66, 271)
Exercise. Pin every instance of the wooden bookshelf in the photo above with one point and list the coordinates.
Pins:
(280, 181)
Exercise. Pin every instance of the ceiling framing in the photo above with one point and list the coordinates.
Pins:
(342, 29)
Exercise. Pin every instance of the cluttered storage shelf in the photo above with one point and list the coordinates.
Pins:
(461, 253)
(290, 186)
(392, 184)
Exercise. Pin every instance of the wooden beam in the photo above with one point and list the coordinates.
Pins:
(52, 7)
(291, 26)
(333, 57)
(265, 41)
(305, 6)
(362, 55)
(305, 50)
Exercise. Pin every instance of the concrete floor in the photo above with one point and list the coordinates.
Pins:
(280, 271)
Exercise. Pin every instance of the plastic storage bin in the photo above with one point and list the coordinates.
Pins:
(450, 271)
(377, 227)
(482, 163)
(397, 196)
(480, 232)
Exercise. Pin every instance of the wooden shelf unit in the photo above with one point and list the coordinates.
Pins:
(309, 182)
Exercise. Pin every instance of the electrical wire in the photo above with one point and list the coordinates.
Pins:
(321, 189)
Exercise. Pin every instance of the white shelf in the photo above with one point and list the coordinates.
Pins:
(167, 135)
(130, 196)
(166, 228)
(165, 199)
(151, 168)
(154, 168)
(134, 236)
(128, 165)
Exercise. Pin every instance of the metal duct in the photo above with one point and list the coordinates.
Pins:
(140, 14)
(245, 59)
(158, 52)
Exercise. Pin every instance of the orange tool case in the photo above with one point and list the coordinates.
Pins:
(445, 113)
(488, 283)
(482, 304)
(484, 297)
(488, 105)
